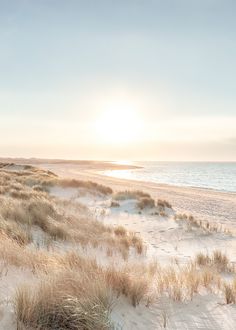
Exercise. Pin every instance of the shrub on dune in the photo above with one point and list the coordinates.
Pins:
(115, 204)
(230, 292)
(146, 202)
(162, 203)
(120, 231)
(64, 301)
(72, 183)
(130, 194)
(217, 259)
(129, 283)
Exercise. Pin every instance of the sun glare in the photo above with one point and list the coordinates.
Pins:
(118, 124)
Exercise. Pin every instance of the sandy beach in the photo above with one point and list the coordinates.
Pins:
(205, 204)
(166, 254)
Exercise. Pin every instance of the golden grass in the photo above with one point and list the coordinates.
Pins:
(135, 281)
(205, 225)
(125, 282)
(17, 232)
(162, 203)
(65, 221)
(182, 283)
(145, 202)
(76, 292)
(163, 214)
(41, 180)
(27, 204)
(115, 204)
(120, 231)
(130, 194)
(65, 301)
(93, 186)
(230, 292)
(217, 259)
(33, 212)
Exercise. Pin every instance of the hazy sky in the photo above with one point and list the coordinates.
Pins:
(118, 79)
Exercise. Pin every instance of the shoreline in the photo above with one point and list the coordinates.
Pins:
(204, 204)
(170, 185)
(99, 167)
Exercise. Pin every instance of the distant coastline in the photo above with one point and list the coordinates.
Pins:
(91, 164)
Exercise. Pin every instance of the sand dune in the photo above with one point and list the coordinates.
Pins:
(205, 204)
(112, 259)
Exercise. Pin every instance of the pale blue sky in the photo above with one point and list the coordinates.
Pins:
(172, 60)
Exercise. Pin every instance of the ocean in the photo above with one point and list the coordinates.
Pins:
(211, 175)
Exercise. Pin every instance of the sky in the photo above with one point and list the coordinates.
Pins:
(118, 79)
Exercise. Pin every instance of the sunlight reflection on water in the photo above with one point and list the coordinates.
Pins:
(213, 175)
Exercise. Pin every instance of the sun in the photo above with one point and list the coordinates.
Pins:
(118, 124)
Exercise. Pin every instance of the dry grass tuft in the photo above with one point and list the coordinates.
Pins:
(145, 202)
(163, 214)
(64, 301)
(133, 283)
(206, 226)
(93, 186)
(130, 194)
(162, 203)
(115, 204)
(18, 233)
(120, 231)
(182, 283)
(217, 259)
(230, 292)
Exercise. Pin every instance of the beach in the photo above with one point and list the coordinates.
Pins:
(205, 204)
(160, 256)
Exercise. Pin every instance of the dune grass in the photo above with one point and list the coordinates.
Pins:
(230, 292)
(115, 204)
(17, 232)
(204, 225)
(65, 221)
(162, 204)
(130, 194)
(73, 290)
(72, 183)
(217, 260)
(145, 202)
(26, 204)
(65, 301)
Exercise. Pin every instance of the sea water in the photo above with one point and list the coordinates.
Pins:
(212, 175)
